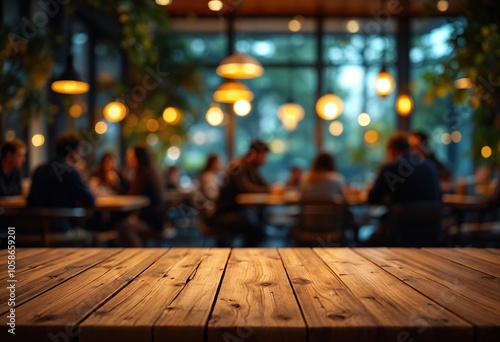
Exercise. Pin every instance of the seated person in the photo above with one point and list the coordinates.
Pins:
(146, 182)
(323, 180)
(419, 143)
(172, 178)
(108, 178)
(406, 178)
(209, 184)
(12, 156)
(58, 184)
(242, 176)
(295, 176)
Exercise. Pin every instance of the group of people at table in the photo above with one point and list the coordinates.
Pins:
(411, 174)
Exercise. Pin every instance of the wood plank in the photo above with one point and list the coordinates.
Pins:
(131, 314)
(488, 255)
(494, 250)
(256, 302)
(331, 311)
(55, 314)
(185, 319)
(468, 293)
(54, 272)
(28, 258)
(402, 313)
(466, 259)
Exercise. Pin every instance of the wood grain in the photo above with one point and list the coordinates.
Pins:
(131, 314)
(256, 302)
(468, 260)
(330, 309)
(55, 315)
(46, 275)
(401, 312)
(186, 317)
(470, 294)
(489, 255)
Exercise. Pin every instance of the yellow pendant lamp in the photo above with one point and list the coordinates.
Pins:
(239, 66)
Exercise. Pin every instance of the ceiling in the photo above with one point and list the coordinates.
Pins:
(327, 8)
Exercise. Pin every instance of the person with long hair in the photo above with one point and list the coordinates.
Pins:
(322, 180)
(107, 177)
(146, 182)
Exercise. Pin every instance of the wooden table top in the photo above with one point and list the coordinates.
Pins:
(219, 294)
(293, 197)
(103, 203)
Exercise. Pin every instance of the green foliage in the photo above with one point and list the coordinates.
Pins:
(25, 67)
(476, 44)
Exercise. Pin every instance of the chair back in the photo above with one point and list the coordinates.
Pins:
(33, 224)
(416, 223)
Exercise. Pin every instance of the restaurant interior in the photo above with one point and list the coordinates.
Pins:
(250, 170)
(190, 79)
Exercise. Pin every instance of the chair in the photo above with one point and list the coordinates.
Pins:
(406, 224)
(320, 222)
(33, 225)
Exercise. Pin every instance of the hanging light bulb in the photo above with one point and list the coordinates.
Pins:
(231, 92)
(214, 115)
(290, 114)
(239, 66)
(404, 104)
(242, 107)
(329, 106)
(69, 82)
(115, 111)
(172, 115)
(385, 83)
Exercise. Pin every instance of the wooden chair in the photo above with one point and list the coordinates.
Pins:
(420, 214)
(320, 223)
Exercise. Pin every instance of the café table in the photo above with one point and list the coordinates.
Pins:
(109, 203)
(252, 294)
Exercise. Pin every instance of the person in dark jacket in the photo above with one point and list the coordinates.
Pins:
(58, 184)
(12, 158)
(407, 179)
(242, 176)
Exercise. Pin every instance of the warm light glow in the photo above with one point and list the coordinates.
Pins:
(163, 2)
(352, 26)
(172, 115)
(242, 107)
(10, 135)
(364, 119)
(199, 138)
(446, 138)
(152, 125)
(371, 137)
(442, 5)
(294, 25)
(239, 66)
(290, 115)
(215, 5)
(463, 83)
(456, 136)
(384, 84)
(75, 111)
(152, 139)
(277, 146)
(231, 92)
(404, 105)
(70, 87)
(329, 107)
(38, 140)
(173, 152)
(115, 111)
(486, 151)
(100, 127)
(214, 115)
(336, 128)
